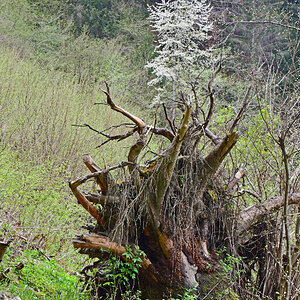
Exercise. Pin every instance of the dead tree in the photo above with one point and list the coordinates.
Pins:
(172, 206)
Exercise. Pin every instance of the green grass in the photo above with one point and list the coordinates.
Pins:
(36, 207)
(39, 278)
(40, 216)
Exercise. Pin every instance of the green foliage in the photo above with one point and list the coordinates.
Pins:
(100, 16)
(230, 271)
(225, 115)
(120, 274)
(34, 277)
(92, 61)
(105, 18)
(39, 216)
(25, 25)
(188, 294)
(229, 264)
(259, 153)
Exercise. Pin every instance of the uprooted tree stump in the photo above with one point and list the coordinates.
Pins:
(172, 207)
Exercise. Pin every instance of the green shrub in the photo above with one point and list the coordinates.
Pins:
(40, 217)
(120, 273)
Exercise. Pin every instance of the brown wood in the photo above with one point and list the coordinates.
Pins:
(86, 204)
(3, 247)
(95, 241)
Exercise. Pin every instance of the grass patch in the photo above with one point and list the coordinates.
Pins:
(31, 276)
(37, 210)
(40, 216)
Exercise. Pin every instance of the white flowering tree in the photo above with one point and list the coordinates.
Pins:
(181, 27)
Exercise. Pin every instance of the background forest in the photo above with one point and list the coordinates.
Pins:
(54, 59)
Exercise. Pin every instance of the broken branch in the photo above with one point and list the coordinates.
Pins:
(85, 203)
(92, 166)
(165, 169)
(216, 156)
(237, 177)
(101, 199)
(95, 241)
(211, 97)
(139, 122)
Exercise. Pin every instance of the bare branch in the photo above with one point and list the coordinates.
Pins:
(139, 122)
(92, 128)
(83, 179)
(242, 109)
(142, 129)
(119, 125)
(168, 119)
(197, 110)
(254, 22)
(118, 137)
(162, 131)
(243, 191)
(211, 97)
(215, 139)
